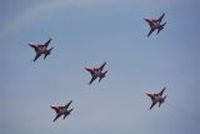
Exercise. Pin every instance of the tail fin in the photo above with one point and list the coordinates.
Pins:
(162, 100)
(161, 27)
(69, 111)
(50, 49)
(105, 72)
(103, 75)
(48, 52)
(164, 24)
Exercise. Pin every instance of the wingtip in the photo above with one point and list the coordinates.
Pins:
(148, 94)
(89, 83)
(51, 48)
(70, 101)
(146, 19)
(148, 35)
(51, 106)
(87, 69)
(31, 45)
(165, 96)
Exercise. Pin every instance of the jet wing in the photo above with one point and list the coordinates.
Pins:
(162, 91)
(152, 105)
(36, 57)
(55, 108)
(149, 22)
(151, 96)
(90, 70)
(161, 17)
(68, 104)
(56, 117)
(150, 32)
(93, 78)
(102, 66)
(33, 46)
(47, 43)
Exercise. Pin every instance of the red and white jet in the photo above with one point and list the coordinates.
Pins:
(41, 49)
(97, 72)
(155, 24)
(157, 98)
(62, 110)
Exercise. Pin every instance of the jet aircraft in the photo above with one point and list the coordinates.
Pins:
(62, 110)
(157, 98)
(97, 72)
(41, 49)
(155, 24)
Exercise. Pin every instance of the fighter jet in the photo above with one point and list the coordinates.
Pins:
(62, 110)
(41, 49)
(157, 98)
(155, 24)
(97, 72)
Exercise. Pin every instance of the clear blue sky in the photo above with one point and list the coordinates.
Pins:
(87, 33)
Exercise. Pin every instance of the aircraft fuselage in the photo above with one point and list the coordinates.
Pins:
(42, 50)
(98, 73)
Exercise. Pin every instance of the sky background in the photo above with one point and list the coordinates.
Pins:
(85, 34)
